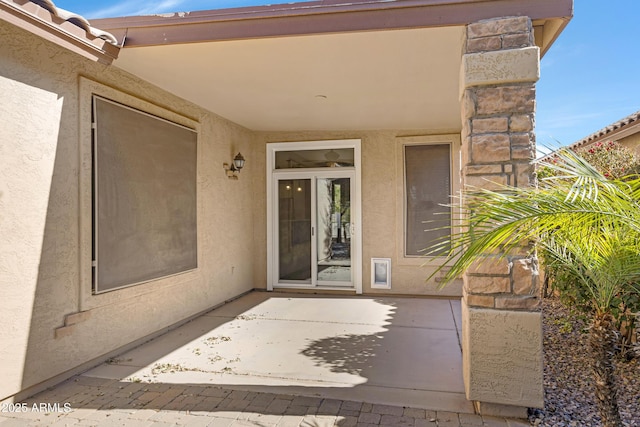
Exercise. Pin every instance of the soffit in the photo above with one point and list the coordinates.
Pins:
(331, 16)
(400, 79)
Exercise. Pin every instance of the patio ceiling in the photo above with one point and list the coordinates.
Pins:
(319, 65)
(376, 80)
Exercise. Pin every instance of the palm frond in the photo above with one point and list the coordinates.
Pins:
(585, 221)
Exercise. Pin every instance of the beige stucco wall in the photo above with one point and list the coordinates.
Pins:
(632, 142)
(44, 217)
(382, 210)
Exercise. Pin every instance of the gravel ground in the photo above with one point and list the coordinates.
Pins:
(569, 399)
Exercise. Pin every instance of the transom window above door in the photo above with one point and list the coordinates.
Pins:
(323, 158)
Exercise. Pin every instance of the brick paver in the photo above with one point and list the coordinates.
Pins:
(98, 402)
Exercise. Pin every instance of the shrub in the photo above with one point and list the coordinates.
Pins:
(611, 159)
(614, 161)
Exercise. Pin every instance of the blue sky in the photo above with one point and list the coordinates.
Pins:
(111, 8)
(587, 78)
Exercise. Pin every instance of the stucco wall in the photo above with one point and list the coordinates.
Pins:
(45, 251)
(382, 211)
(632, 142)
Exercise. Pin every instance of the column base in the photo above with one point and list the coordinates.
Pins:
(497, 410)
(502, 357)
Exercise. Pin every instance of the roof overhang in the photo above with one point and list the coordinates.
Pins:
(623, 128)
(50, 26)
(330, 65)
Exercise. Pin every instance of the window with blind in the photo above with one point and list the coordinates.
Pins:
(144, 197)
(427, 188)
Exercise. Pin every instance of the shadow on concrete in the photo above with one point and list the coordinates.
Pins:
(351, 353)
(388, 351)
(268, 355)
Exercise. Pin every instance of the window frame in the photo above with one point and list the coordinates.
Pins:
(453, 141)
(88, 299)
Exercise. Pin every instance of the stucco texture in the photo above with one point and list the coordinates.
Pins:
(502, 356)
(44, 220)
(632, 142)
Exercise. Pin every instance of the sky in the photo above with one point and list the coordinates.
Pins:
(587, 77)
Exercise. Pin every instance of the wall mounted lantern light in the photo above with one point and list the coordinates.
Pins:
(236, 166)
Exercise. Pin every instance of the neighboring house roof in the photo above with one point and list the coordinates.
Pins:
(60, 26)
(615, 131)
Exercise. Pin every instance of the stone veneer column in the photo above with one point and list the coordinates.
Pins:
(501, 325)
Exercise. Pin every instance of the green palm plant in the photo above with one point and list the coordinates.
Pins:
(583, 222)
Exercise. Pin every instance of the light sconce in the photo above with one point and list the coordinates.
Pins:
(236, 166)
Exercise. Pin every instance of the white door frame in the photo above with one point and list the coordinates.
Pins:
(356, 203)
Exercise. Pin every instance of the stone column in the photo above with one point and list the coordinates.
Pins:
(501, 325)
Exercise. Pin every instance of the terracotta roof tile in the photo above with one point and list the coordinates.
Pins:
(622, 123)
(75, 19)
(70, 30)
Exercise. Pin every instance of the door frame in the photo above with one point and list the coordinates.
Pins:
(356, 203)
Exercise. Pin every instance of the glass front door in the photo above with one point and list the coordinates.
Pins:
(294, 225)
(333, 225)
(314, 228)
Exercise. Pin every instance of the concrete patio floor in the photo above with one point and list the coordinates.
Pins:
(394, 351)
(352, 360)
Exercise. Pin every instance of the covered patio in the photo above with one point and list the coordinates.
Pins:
(404, 103)
(379, 350)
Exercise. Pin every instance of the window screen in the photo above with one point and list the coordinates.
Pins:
(428, 186)
(144, 195)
